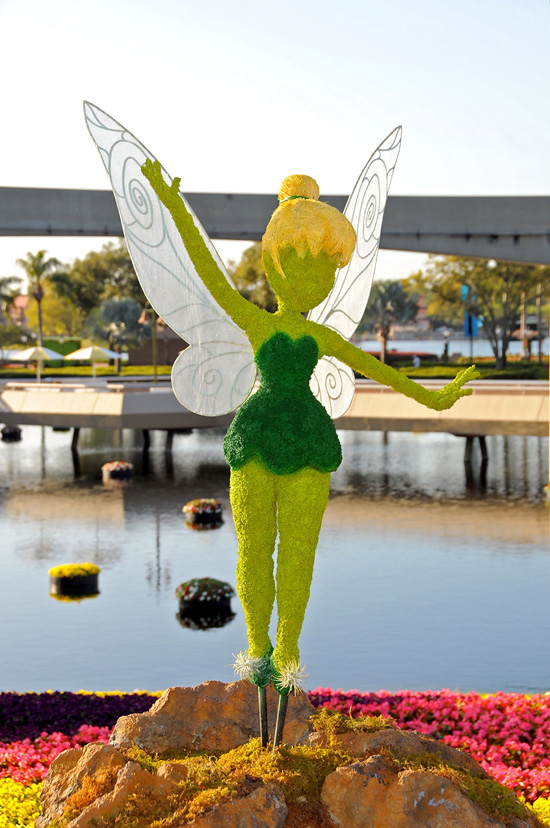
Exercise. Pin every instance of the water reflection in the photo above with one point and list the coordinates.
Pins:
(158, 574)
(205, 620)
(427, 466)
(425, 576)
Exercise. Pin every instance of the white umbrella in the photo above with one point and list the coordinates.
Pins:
(93, 354)
(38, 354)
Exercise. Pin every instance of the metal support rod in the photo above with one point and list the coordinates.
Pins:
(281, 716)
(74, 441)
(154, 345)
(262, 706)
(483, 447)
(169, 440)
(470, 447)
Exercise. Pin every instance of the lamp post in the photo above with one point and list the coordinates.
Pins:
(446, 335)
(498, 334)
(154, 318)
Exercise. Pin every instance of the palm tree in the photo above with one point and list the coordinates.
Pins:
(389, 305)
(38, 268)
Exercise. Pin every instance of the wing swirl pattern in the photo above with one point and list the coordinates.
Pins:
(216, 373)
(333, 382)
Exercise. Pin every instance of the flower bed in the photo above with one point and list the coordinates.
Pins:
(27, 715)
(19, 804)
(28, 760)
(508, 733)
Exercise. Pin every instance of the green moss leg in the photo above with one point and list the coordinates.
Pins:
(252, 494)
(301, 500)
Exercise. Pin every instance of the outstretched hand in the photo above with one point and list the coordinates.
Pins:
(153, 173)
(447, 396)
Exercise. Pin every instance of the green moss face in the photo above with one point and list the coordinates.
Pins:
(307, 280)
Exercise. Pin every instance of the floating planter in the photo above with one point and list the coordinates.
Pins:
(205, 604)
(11, 434)
(74, 580)
(204, 596)
(203, 513)
(117, 470)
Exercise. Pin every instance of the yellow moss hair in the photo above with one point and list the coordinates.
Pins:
(299, 186)
(306, 224)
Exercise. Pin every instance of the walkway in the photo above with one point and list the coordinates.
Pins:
(496, 407)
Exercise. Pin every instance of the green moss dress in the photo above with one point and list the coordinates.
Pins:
(282, 423)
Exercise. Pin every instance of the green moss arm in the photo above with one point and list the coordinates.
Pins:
(332, 344)
(241, 311)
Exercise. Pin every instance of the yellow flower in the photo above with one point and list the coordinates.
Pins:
(73, 570)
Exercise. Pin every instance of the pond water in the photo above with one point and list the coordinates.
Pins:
(458, 346)
(424, 578)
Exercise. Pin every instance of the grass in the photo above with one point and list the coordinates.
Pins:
(487, 370)
(86, 371)
(331, 722)
(515, 370)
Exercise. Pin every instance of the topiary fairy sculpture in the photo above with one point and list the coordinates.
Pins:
(282, 445)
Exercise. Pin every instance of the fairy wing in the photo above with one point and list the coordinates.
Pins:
(333, 383)
(216, 373)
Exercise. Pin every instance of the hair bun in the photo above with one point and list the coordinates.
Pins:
(299, 185)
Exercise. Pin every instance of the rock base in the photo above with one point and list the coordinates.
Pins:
(152, 773)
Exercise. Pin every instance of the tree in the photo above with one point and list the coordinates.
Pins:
(495, 293)
(117, 321)
(438, 313)
(38, 269)
(10, 287)
(59, 316)
(101, 274)
(9, 335)
(250, 280)
(389, 304)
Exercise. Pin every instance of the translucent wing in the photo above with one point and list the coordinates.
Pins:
(333, 382)
(215, 374)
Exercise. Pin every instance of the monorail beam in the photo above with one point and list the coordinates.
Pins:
(514, 228)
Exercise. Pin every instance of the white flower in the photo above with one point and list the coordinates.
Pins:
(245, 665)
(292, 677)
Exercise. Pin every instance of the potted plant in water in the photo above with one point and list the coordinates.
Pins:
(204, 603)
(74, 579)
(203, 512)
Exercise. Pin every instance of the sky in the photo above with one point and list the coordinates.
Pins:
(234, 96)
